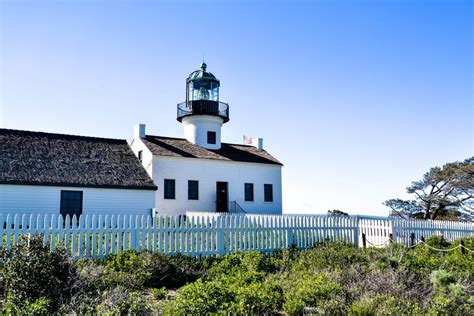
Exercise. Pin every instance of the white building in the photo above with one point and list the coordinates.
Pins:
(201, 173)
(64, 174)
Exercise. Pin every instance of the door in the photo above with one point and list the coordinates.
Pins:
(222, 198)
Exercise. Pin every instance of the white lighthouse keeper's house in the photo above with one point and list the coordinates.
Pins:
(201, 173)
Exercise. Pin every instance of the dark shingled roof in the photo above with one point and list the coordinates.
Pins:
(179, 147)
(38, 158)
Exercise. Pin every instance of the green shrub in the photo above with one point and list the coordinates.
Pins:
(153, 270)
(338, 255)
(128, 268)
(257, 297)
(320, 292)
(173, 271)
(90, 282)
(376, 304)
(36, 277)
(236, 284)
(458, 262)
(249, 266)
(449, 296)
(422, 259)
(159, 294)
(331, 278)
(199, 298)
(38, 307)
(120, 301)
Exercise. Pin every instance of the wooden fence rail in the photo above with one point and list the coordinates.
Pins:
(203, 235)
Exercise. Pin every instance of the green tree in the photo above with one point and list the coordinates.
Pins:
(443, 193)
(337, 213)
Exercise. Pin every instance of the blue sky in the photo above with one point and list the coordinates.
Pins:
(356, 98)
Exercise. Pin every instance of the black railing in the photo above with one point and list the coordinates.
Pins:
(203, 107)
(235, 208)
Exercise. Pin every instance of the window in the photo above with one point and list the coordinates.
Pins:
(249, 192)
(71, 203)
(268, 192)
(169, 191)
(193, 190)
(211, 137)
(140, 155)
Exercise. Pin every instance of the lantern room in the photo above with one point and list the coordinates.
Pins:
(202, 96)
(202, 114)
(202, 85)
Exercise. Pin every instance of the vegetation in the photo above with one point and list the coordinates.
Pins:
(331, 278)
(443, 193)
(337, 213)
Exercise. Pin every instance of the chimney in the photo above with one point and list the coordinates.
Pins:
(139, 131)
(258, 142)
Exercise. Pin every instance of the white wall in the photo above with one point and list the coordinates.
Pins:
(147, 157)
(46, 199)
(208, 172)
(196, 128)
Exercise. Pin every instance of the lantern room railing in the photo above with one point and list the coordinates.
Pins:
(203, 107)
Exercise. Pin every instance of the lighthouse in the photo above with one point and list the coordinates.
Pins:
(203, 114)
(202, 173)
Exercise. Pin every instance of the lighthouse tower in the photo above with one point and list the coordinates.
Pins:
(202, 115)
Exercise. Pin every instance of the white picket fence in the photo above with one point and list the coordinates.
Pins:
(379, 230)
(203, 235)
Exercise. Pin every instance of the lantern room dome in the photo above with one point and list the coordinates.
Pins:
(202, 75)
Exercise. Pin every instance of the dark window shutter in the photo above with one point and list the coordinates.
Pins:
(211, 137)
(268, 192)
(169, 189)
(193, 190)
(71, 203)
(248, 191)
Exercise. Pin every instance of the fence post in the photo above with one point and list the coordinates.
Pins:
(463, 250)
(364, 241)
(220, 235)
(412, 239)
(289, 233)
(356, 231)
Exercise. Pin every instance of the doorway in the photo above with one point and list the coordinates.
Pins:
(222, 198)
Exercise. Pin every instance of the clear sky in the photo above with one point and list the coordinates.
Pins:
(356, 98)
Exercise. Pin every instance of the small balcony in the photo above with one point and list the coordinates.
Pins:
(203, 107)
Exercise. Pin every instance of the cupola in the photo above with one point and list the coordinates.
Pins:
(202, 114)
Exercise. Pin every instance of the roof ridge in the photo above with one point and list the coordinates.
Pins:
(180, 138)
(60, 135)
(167, 137)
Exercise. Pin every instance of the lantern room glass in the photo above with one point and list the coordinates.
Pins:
(203, 90)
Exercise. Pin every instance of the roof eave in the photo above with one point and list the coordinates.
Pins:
(78, 185)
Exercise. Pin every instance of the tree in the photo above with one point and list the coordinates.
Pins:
(443, 193)
(337, 213)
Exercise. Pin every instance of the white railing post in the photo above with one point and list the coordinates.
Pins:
(289, 232)
(356, 231)
(220, 236)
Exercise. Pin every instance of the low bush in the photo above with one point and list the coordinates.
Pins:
(331, 278)
(159, 294)
(121, 301)
(151, 270)
(199, 298)
(173, 271)
(319, 292)
(35, 278)
(449, 295)
(371, 303)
